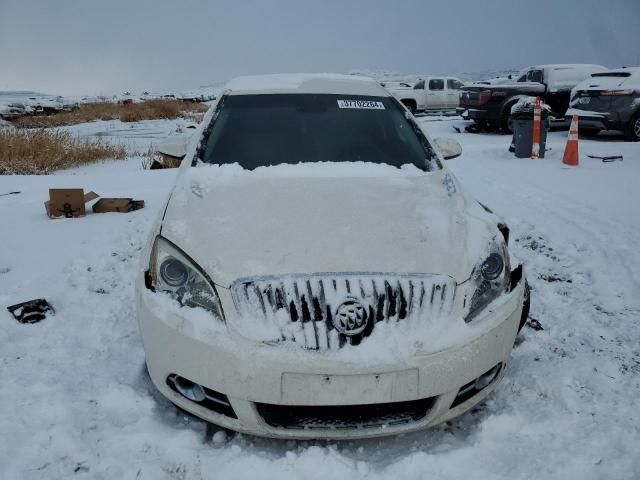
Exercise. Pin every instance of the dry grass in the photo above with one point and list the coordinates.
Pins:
(32, 152)
(132, 112)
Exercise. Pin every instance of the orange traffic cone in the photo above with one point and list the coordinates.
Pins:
(535, 147)
(571, 150)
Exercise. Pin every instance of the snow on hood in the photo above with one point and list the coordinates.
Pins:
(492, 81)
(532, 87)
(309, 218)
(611, 82)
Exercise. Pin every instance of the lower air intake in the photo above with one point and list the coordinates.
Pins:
(344, 416)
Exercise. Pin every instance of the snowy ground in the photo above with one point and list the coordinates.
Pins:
(75, 401)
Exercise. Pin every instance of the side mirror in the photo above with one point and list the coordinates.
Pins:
(448, 147)
(175, 147)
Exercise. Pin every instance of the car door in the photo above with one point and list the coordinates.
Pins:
(420, 96)
(454, 87)
(436, 94)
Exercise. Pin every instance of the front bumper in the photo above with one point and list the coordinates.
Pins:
(487, 112)
(257, 379)
(588, 119)
(614, 120)
(470, 113)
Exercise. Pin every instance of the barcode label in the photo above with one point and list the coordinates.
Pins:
(361, 104)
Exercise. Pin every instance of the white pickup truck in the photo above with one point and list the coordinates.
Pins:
(430, 94)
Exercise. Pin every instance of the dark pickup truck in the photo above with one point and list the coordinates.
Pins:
(489, 105)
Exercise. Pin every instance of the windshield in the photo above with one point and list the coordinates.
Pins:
(535, 76)
(611, 74)
(271, 129)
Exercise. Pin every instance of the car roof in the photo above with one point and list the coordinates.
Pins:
(631, 70)
(566, 65)
(427, 77)
(305, 83)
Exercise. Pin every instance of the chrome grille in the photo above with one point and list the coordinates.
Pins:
(303, 308)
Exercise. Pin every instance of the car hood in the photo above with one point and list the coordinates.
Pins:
(533, 87)
(607, 83)
(251, 224)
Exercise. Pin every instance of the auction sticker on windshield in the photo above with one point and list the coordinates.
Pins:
(362, 104)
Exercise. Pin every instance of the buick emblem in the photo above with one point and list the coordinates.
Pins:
(350, 318)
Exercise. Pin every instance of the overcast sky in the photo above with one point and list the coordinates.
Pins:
(110, 46)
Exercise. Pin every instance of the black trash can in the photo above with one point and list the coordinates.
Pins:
(522, 117)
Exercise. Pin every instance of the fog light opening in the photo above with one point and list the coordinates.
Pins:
(486, 378)
(188, 389)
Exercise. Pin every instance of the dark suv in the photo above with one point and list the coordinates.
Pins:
(608, 101)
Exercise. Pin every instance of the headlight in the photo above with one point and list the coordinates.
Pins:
(492, 267)
(171, 271)
(489, 279)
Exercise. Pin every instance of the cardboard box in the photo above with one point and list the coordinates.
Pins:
(68, 202)
(122, 205)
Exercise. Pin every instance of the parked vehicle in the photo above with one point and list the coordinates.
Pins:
(67, 104)
(431, 94)
(20, 105)
(608, 101)
(490, 105)
(13, 110)
(200, 95)
(319, 272)
(51, 105)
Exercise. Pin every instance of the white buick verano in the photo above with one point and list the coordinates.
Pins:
(318, 272)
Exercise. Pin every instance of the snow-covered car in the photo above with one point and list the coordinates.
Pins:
(431, 94)
(200, 95)
(318, 272)
(608, 101)
(13, 110)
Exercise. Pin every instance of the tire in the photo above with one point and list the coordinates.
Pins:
(506, 124)
(526, 305)
(588, 132)
(633, 129)
(411, 106)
